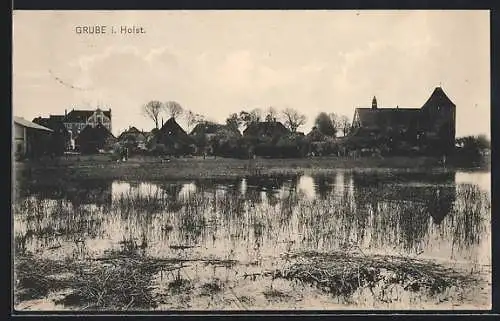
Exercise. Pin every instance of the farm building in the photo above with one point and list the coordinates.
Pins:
(210, 130)
(266, 131)
(94, 139)
(30, 139)
(133, 138)
(61, 138)
(173, 138)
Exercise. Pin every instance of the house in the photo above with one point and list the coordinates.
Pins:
(174, 138)
(433, 124)
(76, 120)
(205, 134)
(210, 130)
(315, 135)
(266, 131)
(61, 138)
(133, 137)
(93, 140)
(30, 139)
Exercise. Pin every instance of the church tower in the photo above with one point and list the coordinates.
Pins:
(374, 103)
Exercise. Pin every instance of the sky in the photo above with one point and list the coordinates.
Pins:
(219, 62)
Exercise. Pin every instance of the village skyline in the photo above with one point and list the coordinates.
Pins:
(218, 63)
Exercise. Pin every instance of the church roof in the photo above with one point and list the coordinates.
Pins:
(388, 117)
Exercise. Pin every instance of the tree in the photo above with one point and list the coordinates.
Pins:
(234, 121)
(271, 114)
(193, 119)
(153, 110)
(325, 125)
(253, 116)
(173, 108)
(345, 124)
(335, 121)
(293, 120)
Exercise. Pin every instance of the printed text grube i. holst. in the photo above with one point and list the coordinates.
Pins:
(103, 29)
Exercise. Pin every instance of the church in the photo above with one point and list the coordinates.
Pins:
(433, 124)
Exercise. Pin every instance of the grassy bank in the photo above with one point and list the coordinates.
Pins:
(101, 166)
(127, 282)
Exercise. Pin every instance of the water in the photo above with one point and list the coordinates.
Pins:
(255, 220)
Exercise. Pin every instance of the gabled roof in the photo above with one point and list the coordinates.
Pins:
(97, 133)
(438, 98)
(206, 128)
(388, 117)
(265, 128)
(26, 123)
(133, 132)
(81, 116)
(172, 132)
(315, 135)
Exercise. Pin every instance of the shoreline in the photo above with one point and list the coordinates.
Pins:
(154, 168)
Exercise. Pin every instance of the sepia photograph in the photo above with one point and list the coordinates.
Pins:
(252, 160)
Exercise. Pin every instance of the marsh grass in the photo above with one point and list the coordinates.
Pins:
(119, 282)
(367, 217)
(342, 274)
(275, 295)
(212, 288)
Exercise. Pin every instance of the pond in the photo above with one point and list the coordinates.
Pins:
(228, 233)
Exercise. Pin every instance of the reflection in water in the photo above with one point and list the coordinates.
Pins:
(442, 215)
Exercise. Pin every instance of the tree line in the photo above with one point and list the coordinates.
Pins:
(329, 124)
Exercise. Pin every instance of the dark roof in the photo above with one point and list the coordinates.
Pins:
(81, 116)
(132, 131)
(212, 128)
(92, 134)
(438, 98)
(172, 132)
(57, 117)
(206, 128)
(388, 117)
(53, 123)
(316, 135)
(266, 128)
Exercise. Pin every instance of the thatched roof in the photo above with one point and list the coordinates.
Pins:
(95, 134)
(213, 128)
(172, 133)
(266, 129)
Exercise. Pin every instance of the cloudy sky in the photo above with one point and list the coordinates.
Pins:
(219, 62)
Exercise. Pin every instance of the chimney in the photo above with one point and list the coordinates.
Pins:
(374, 103)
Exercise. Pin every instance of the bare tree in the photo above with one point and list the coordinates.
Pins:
(253, 116)
(272, 113)
(173, 108)
(193, 119)
(153, 110)
(345, 124)
(335, 119)
(293, 120)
